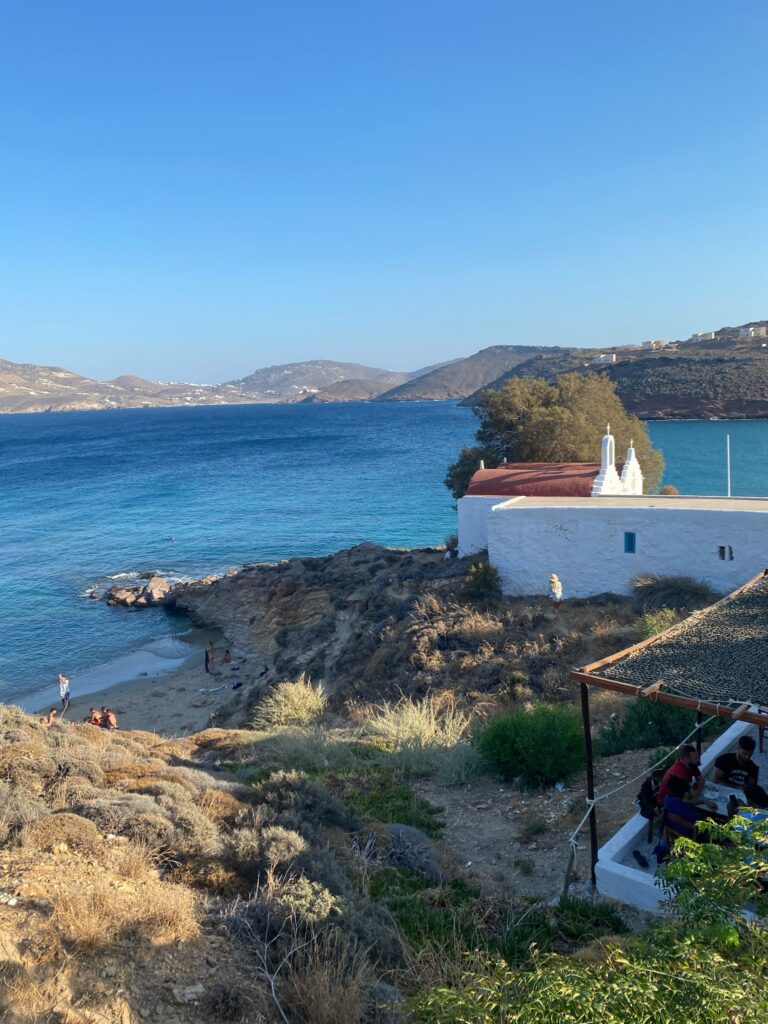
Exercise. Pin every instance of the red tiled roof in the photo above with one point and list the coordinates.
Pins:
(537, 480)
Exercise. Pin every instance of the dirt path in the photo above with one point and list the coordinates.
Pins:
(500, 837)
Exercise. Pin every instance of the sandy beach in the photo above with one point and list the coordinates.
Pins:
(173, 704)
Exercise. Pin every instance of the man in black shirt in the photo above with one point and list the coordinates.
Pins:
(737, 769)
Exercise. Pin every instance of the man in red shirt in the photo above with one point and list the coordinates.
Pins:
(685, 767)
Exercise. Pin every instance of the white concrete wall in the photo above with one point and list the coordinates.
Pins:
(472, 526)
(585, 546)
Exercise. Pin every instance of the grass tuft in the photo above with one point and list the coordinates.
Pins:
(296, 703)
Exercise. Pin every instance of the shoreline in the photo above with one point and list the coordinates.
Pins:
(172, 703)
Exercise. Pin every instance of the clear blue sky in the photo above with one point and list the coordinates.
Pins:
(190, 190)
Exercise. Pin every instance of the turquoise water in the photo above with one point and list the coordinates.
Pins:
(87, 497)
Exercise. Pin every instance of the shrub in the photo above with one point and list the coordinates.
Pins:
(669, 489)
(303, 750)
(379, 793)
(300, 898)
(482, 582)
(652, 623)
(329, 982)
(266, 848)
(428, 737)
(540, 745)
(293, 703)
(680, 593)
(75, 832)
(644, 724)
(452, 543)
(304, 805)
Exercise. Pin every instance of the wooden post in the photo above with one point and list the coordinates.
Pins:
(590, 778)
(699, 720)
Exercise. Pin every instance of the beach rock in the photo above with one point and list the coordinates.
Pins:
(122, 595)
(414, 851)
(157, 589)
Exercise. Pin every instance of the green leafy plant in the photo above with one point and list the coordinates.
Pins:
(379, 792)
(482, 582)
(531, 420)
(653, 623)
(541, 745)
(644, 724)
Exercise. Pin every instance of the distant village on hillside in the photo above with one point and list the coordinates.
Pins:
(715, 374)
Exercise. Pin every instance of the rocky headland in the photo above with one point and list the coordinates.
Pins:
(373, 623)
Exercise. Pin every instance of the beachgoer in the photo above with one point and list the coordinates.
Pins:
(53, 716)
(111, 719)
(94, 717)
(737, 768)
(227, 659)
(64, 691)
(210, 658)
(685, 767)
(555, 592)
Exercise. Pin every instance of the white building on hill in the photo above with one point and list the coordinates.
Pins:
(592, 526)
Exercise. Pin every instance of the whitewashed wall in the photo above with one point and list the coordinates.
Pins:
(585, 546)
(473, 521)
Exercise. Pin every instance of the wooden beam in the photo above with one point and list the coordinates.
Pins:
(590, 781)
(742, 709)
(707, 707)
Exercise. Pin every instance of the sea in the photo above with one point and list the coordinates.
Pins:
(89, 499)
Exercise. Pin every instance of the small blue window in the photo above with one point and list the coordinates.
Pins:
(630, 543)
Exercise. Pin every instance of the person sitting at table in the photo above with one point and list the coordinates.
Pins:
(680, 808)
(737, 768)
(756, 796)
(685, 767)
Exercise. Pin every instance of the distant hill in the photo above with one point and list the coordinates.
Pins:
(352, 390)
(722, 374)
(462, 377)
(26, 387)
(292, 379)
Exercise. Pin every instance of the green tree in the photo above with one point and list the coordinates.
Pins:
(529, 420)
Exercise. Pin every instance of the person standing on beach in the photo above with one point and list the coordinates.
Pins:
(210, 658)
(64, 691)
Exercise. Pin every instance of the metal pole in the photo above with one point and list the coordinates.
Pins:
(699, 720)
(728, 460)
(590, 778)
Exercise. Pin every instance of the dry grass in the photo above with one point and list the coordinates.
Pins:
(296, 703)
(428, 737)
(71, 830)
(97, 912)
(329, 983)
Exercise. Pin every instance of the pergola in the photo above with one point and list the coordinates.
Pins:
(715, 662)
